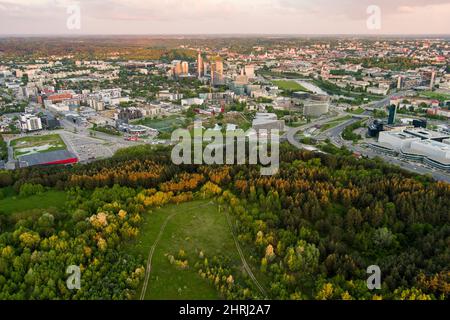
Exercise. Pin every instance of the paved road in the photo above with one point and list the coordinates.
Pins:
(10, 151)
(334, 134)
(414, 167)
(385, 101)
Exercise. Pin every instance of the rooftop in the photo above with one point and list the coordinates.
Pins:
(48, 158)
(427, 134)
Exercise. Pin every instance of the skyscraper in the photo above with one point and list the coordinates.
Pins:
(176, 68)
(217, 72)
(205, 68)
(432, 80)
(213, 73)
(185, 68)
(392, 114)
(400, 82)
(180, 68)
(200, 66)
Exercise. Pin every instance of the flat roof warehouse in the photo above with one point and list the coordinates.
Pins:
(58, 157)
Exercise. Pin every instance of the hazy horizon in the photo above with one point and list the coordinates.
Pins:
(225, 35)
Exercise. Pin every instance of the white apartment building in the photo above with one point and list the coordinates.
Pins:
(29, 122)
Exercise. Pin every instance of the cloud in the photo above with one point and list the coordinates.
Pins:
(357, 8)
(224, 16)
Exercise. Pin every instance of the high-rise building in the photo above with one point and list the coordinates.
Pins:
(200, 65)
(250, 71)
(213, 73)
(428, 78)
(400, 82)
(241, 79)
(432, 80)
(392, 114)
(205, 68)
(217, 72)
(219, 67)
(176, 68)
(185, 68)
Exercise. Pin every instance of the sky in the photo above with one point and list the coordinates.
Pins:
(60, 17)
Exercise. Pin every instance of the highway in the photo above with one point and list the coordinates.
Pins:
(334, 135)
(336, 139)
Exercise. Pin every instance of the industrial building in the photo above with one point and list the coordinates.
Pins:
(59, 157)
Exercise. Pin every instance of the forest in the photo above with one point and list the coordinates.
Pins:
(312, 229)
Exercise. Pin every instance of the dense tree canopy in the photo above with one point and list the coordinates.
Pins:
(312, 229)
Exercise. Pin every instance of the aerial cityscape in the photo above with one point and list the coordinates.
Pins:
(224, 165)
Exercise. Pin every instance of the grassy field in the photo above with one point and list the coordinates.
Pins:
(289, 85)
(12, 203)
(334, 123)
(357, 111)
(197, 226)
(37, 144)
(435, 95)
(164, 125)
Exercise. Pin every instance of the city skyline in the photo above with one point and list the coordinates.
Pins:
(194, 17)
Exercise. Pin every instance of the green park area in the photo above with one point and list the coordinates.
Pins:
(191, 232)
(289, 85)
(164, 125)
(435, 95)
(37, 144)
(14, 203)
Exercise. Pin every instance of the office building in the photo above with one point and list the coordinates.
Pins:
(392, 114)
(316, 105)
(176, 68)
(184, 68)
(419, 123)
(217, 72)
(200, 65)
(430, 147)
(250, 71)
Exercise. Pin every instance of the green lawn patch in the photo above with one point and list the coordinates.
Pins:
(289, 85)
(13, 203)
(163, 125)
(435, 95)
(37, 144)
(197, 226)
(357, 111)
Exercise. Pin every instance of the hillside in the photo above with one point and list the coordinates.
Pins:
(309, 232)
